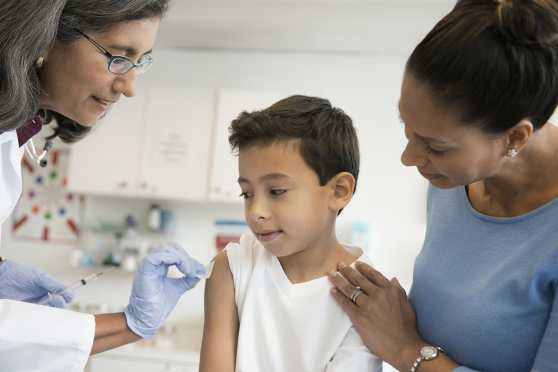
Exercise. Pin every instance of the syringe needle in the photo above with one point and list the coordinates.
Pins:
(75, 286)
(106, 271)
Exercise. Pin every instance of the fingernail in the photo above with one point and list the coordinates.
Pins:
(342, 265)
(334, 290)
(357, 264)
(332, 273)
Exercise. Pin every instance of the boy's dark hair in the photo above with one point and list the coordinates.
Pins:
(326, 137)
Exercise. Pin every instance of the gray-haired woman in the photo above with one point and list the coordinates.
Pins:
(69, 60)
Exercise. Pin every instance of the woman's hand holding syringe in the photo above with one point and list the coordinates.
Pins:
(76, 285)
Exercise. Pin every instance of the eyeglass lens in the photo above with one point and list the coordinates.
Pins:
(121, 66)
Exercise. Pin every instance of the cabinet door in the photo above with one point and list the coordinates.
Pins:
(177, 144)
(103, 363)
(99, 363)
(106, 161)
(224, 172)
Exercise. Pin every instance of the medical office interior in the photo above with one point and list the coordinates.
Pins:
(158, 168)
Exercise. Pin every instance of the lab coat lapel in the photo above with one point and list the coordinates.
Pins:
(10, 174)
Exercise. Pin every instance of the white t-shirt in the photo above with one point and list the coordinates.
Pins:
(287, 327)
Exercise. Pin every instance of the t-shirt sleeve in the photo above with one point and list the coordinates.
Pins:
(241, 260)
(353, 355)
(547, 358)
(34, 337)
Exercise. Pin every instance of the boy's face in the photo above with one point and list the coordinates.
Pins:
(285, 207)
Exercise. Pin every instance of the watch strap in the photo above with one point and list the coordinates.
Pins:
(416, 363)
(421, 358)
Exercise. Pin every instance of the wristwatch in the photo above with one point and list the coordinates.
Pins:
(426, 353)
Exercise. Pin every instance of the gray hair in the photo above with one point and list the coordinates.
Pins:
(28, 28)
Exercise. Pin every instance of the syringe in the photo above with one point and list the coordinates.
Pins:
(76, 285)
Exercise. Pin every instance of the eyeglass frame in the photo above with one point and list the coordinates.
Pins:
(112, 57)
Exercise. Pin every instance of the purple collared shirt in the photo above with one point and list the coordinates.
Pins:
(31, 128)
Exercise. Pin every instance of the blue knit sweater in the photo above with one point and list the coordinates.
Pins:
(485, 288)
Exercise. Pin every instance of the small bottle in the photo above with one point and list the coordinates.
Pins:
(154, 218)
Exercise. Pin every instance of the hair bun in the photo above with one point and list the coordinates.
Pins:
(529, 22)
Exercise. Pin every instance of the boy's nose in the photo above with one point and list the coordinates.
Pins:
(259, 210)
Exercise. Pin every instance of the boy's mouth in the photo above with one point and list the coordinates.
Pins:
(268, 235)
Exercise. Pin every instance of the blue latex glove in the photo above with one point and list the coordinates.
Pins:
(28, 284)
(154, 295)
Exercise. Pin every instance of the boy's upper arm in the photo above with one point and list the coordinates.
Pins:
(220, 334)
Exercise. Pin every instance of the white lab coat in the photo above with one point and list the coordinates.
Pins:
(33, 337)
(10, 174)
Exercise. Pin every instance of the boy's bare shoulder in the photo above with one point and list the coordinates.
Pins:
(221, 270)
(220, 258)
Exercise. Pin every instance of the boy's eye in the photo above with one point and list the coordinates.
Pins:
(246, 195)
(277, 192)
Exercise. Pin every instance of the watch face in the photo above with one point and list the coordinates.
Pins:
(428, 352)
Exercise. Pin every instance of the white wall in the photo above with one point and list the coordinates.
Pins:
(389, 195)
(357, 26)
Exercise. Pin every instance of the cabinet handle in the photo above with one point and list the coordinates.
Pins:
(143, 185)
(122, 185)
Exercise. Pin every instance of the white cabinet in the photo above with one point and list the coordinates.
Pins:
(156, 144)
(103, 364)
(165, 143)
(106, 161)
(224, 172)
(147, 360)
(177, 143)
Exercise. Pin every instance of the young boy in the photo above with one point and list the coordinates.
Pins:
(267, 304)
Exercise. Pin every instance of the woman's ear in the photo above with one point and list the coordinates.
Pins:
(519, 135)
(343, 185)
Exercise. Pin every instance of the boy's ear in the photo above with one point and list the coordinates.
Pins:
(343, 185)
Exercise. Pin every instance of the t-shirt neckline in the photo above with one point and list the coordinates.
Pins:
(301, 289)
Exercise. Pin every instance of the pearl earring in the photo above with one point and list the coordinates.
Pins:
(40, 62)
(512, 153)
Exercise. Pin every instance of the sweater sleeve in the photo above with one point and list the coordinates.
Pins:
(547, 358)
(353, 355)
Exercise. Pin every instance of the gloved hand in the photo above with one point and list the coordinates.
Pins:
(28, 284)
(154, 295)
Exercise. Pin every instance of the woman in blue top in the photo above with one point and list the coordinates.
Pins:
(476, 99)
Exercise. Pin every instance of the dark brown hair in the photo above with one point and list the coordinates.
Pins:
(495, 62)
(325, 135)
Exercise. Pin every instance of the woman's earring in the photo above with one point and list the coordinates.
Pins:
(512, 153)
(40, 62)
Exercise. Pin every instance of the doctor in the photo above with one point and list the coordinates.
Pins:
(70, 60)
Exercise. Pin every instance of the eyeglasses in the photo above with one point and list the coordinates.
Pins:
(121, 64)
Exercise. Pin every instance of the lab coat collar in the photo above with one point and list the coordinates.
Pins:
(7, 136)
(29, 130)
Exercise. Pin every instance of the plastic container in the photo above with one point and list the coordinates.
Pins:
(229, 232)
